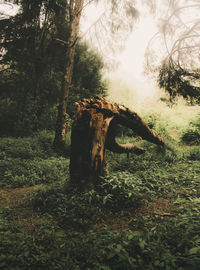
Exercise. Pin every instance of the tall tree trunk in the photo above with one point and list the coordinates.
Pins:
(74, 9)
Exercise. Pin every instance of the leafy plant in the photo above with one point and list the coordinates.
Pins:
(192, 135)
(144, 214)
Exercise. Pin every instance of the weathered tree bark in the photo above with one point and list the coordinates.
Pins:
(74, 9)
(93, 132)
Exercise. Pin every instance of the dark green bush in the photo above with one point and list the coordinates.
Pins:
(30, 161)
(21, 172)
(82, 231)
(191, 137)
(38, 146)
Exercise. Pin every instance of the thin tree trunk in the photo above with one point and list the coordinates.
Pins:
(74, 9)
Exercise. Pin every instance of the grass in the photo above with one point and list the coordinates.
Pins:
(144, 214)
(30, 161)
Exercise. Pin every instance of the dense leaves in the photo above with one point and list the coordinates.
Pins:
(143, 215)
(31, 68)
(173, 52)
(179, 82)
(30, 161)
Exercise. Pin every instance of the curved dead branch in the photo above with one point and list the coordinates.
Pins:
(93, 131)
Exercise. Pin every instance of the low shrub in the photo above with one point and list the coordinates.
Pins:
(144, 214)
(191, 137)
(38, 146)
(21, 172)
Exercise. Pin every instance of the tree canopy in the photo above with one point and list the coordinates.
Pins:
(73, 11)
(38, 49)
(31, 68)
(176, 46)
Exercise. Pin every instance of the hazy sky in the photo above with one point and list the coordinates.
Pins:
(8, 9)
(130, 59)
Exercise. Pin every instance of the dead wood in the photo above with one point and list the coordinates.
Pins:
(93, 132)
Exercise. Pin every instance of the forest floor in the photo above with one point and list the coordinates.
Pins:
(144, 215)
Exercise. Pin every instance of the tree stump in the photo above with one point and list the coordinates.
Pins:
(93, 132)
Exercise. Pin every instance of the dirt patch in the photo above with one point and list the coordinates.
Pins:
(32, 223)
(122, 223)
(27, 224)
(16, 197)
(23, 217)
(160, 207)
(174, 133)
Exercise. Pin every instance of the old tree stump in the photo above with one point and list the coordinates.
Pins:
(93, 132)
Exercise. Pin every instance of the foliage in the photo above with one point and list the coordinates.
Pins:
(30, 161)
(176, 63)
(87, 76)
(191, 137)
(143, 215)
(179, 82)
(109, 250)
(38, 146)
(31, 68)
(192, 134)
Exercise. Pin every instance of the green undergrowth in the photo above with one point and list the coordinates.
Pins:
(171, 245)
(122, 224)
(37, 146)
(30, 161)
(144, 214)
(84, 231)
(191, 136)
(24, 172)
